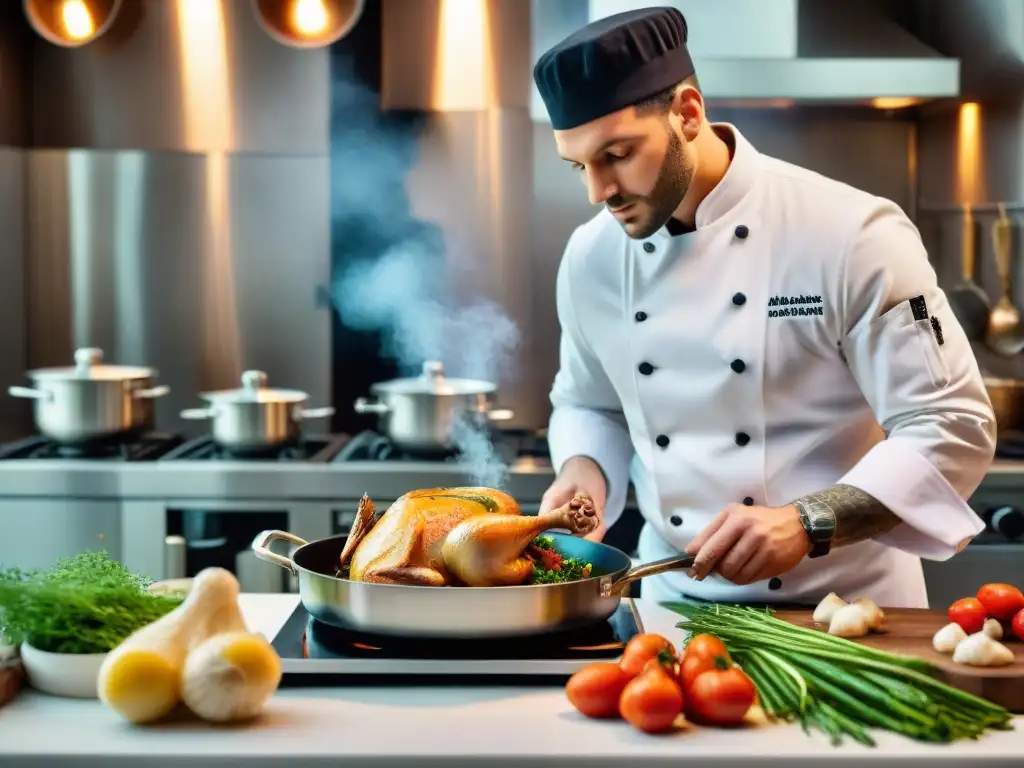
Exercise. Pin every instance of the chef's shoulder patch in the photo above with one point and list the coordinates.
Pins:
(800, 305)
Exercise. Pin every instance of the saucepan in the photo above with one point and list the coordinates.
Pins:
(420, 414)
(92, 401)
(256, 418)
(460, 612)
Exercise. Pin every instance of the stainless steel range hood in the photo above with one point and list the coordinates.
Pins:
(784, 51)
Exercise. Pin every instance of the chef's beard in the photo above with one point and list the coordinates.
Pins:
(670, 187)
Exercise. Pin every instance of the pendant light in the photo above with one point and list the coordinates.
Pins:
(307, 23)
(71, 23)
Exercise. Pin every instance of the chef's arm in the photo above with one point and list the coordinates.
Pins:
(915, 366)
(857, 515)
(587, 415)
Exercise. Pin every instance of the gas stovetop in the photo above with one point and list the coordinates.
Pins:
(147, 447)
(509, 445)
(311, 448)
(314, 653)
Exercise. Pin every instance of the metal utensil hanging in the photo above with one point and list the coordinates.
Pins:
(1004, 328)
(970, 303)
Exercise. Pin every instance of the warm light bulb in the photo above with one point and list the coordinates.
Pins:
(309, 16)
(77, 20)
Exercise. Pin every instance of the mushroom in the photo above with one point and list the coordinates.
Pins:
(948, 638)
(852, 620)
(993, 629)
(875, 615)
(980, 650)
(827, 608)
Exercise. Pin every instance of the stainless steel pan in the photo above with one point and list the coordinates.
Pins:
(462, 612)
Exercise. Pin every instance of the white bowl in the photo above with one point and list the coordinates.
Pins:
(73, 675)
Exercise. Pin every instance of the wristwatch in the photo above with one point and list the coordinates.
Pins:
(819, 521)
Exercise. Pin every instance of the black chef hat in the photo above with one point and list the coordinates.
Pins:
(612, 63)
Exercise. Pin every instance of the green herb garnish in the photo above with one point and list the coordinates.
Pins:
(88, 603)
(568, 568)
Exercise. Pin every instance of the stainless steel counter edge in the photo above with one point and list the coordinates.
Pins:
(39, 479)
(528, 479)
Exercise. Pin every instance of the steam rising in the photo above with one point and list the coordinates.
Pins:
(402, 285)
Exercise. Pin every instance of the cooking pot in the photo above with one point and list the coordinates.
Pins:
(92, 402)
(255, 418)
(1007, 396)
(420, 414)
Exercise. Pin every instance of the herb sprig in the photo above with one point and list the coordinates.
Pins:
(88, 603)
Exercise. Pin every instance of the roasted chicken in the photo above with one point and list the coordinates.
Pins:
(454, 537)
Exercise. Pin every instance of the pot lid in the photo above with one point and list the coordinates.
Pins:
(254, 389)
(433, 382)
(89, 366)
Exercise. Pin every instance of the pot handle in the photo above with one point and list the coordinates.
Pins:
(500, 414)
(362, 405)
(198, 414)
(261, 547)
(314, 413)
(151, 394)
(677, 563)
(29, 393)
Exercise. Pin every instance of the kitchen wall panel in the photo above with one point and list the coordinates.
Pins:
(181, 75)
(973, 154)
(474, 181)
(199, 265)
(14, 414)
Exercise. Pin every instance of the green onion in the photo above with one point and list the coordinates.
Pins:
(839, 687)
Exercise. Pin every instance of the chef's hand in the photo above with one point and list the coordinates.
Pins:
(579, 474)
(747, 544)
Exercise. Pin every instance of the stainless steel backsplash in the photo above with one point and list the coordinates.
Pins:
(137, 220)
(200, 265)
(170, 204)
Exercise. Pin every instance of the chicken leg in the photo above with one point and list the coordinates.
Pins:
(488, 550)
(366, 518)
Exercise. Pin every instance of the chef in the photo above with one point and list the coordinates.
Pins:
(763, 350)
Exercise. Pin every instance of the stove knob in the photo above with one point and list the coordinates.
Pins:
(1009, 521)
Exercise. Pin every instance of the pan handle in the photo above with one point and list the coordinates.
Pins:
(677, 563)
(261, 546)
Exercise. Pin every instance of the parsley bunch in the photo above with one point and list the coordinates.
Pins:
(88, 603)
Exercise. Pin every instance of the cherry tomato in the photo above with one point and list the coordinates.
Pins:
(596, 688)
(694, 665)
(651, 701)
(720, 696)
(705, 646)
(969, 613)
(1017, 625)
(1001, 601)
(641, 649)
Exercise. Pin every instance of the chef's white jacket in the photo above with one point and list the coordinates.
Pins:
(773, 352)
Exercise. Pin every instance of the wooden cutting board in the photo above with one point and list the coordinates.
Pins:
(909, 631)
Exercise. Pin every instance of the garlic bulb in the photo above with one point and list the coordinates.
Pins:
(993, 629)
(230, 676)
(850, 621)
(827, 608)
(948, 638)
(980, 650)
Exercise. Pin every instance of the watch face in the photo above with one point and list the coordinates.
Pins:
(821, 521)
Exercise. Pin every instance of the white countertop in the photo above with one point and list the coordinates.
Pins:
(479, 727)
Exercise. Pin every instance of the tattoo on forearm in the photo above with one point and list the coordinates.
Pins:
(858, 515)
